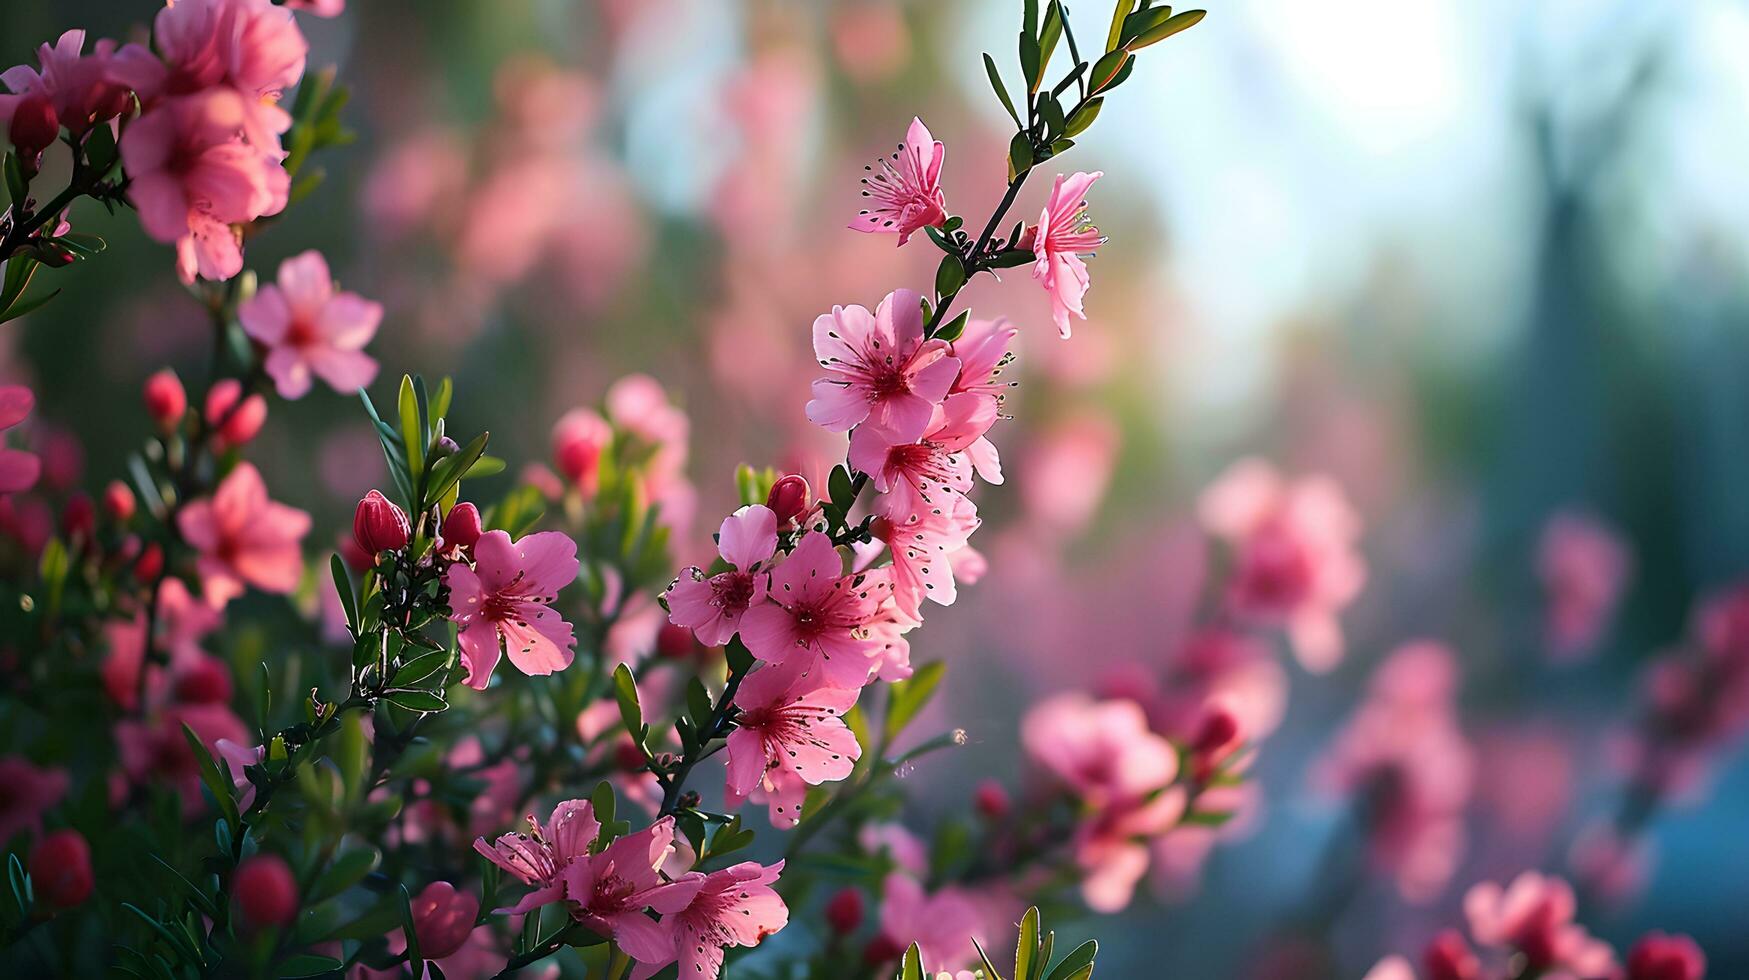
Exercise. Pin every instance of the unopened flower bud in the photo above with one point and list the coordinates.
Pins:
(78, 517)
(236, 424)
(60, 868)
(461, 526)
(166, 401)
(627, 755)
(1217, 731)
(267, 894)
(579, 439)
(789, 499)
(34, 126)
(378, 525)
(992, 800)
(844, 911)
(882, 949)
(118, 501)
(443, 918)
(445, 446)
(151, 563)
(1658, 956)
(675, 641)
(1448, 957)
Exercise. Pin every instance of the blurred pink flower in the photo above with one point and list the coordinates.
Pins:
(502, 604)
(1065, 476)
(712, 607)
(1583, 564)
(942, 924)
(541, 856)
(1534, 917)
(1295, 562)
(1063, 235)
(155, 751)
(308, 328)
(253, 47)
(443, 918)
(789, 722)
(1659, 956)
(191, 178)
(244, 538)
(733, 907)
(30, 791)
(880, 368)
(817, 617)
(320, 8)
(78, 89)
(906, 194)
(18, 469)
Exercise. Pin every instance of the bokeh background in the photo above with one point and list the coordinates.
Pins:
(1482, 262)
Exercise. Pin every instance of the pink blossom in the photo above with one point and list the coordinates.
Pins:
(906, 194)
(1391, 968)
(712, 607)
(191, 179)
(1102, 750)
(157, 752)
(1065, 477)
(1583, 565)
(579, 439)
(320, 8)
(789, 722)
(30, 792)
(443, 918)
(542, 856)
(252, 47)
(502, 604)
(244, 538)
(1064, 234)
(1296, 562)
(818, 617)
(942, 924)
(81, 89)
(880, 368)
(1534, 917)
(309, 328)
(733, 907)
(1659, 956)
(914, 475)
(609, 892)
(922, 547)
(18, 469)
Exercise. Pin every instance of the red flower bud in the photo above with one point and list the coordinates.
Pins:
(579, 439)
(789, 499)
(151, 563)
(236, 424)
(205, 681)
(78, 517)
(1658, 956)
(461, 526)
(627, 755)
(379, 526)
(60, 868)
(675, 641)
(34, 126)
(882, 949)
(1218, 730)
(992, 800)
(118, 501)
(1448, 957)
(844, 911)
(267, 894)
(443, 918)
(166, 400)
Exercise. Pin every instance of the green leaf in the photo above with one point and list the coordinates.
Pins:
(1029, 61)
(415, 959)
(416, 700)
(625, 690)
(1080, 959)
(840, 489)
(343, 872)
(1119, 11)
(990, 971)
(195, 895)
(210, 776)
(447, 472)
(1143, 21)
(1184, 21)
(411, 441)
(419, 668)
(308, 965)
(698, 704)
(1083, 117)
(440, 401)
(950, 275)
(483, 467)
(17, 189)
(1008, 258)
(1027, 946)
(1106, 69)
(1043, 958)
(740, 658)
(1029, 17)
(912, 968)
(954, 328)
(19, 879)
(909, 697)
(1052, 111)
(1047, 41)
(1019, 156)
(343, 586)
(1001, 90)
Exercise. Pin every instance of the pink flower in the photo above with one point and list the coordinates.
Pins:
(250, 46)
(443, 918)
(712, 608)
(818, 617)
(240, 757)
(18, 469)
(30, 792)
(501, 604)
(1391, 968)
(320, 8)
(191, 179)
(915, 475)
(579, 438)
(942, 924)
(789, 722)
(308, 328)
(906, 194)
(543, 855)
(79, 90)
(733, 907)
(1658, 956)
(244, 538)
(1102, 750)
(1296, 561)
(1534, 917)
(923, 547)
(1583, 565)
(157, 752)
(1064, 234)
(881, 368)
(610, 891)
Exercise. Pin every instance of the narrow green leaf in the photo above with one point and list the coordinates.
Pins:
(954, 328)
(1047, 41)
(343, 872)
(625, 690)
(1080, 958)
(416, 670)
(1083, 117)
(1001, 90)
(1105, 70)
(411, 443)
(990, 971)
(913, 965)
(1026, 947)
(416, 700)
(950, 275)
(307, 965)
(415, 959)
(440, 401)
(1019, 156)
(1119, 11)
(1029, 61)
(909, 697)
(1181, 22)
(343, 586)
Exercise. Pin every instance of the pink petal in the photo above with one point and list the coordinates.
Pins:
(480, 650)
(748, 537)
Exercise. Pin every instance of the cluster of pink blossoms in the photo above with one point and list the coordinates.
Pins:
(1526, 929)
(203, 156)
